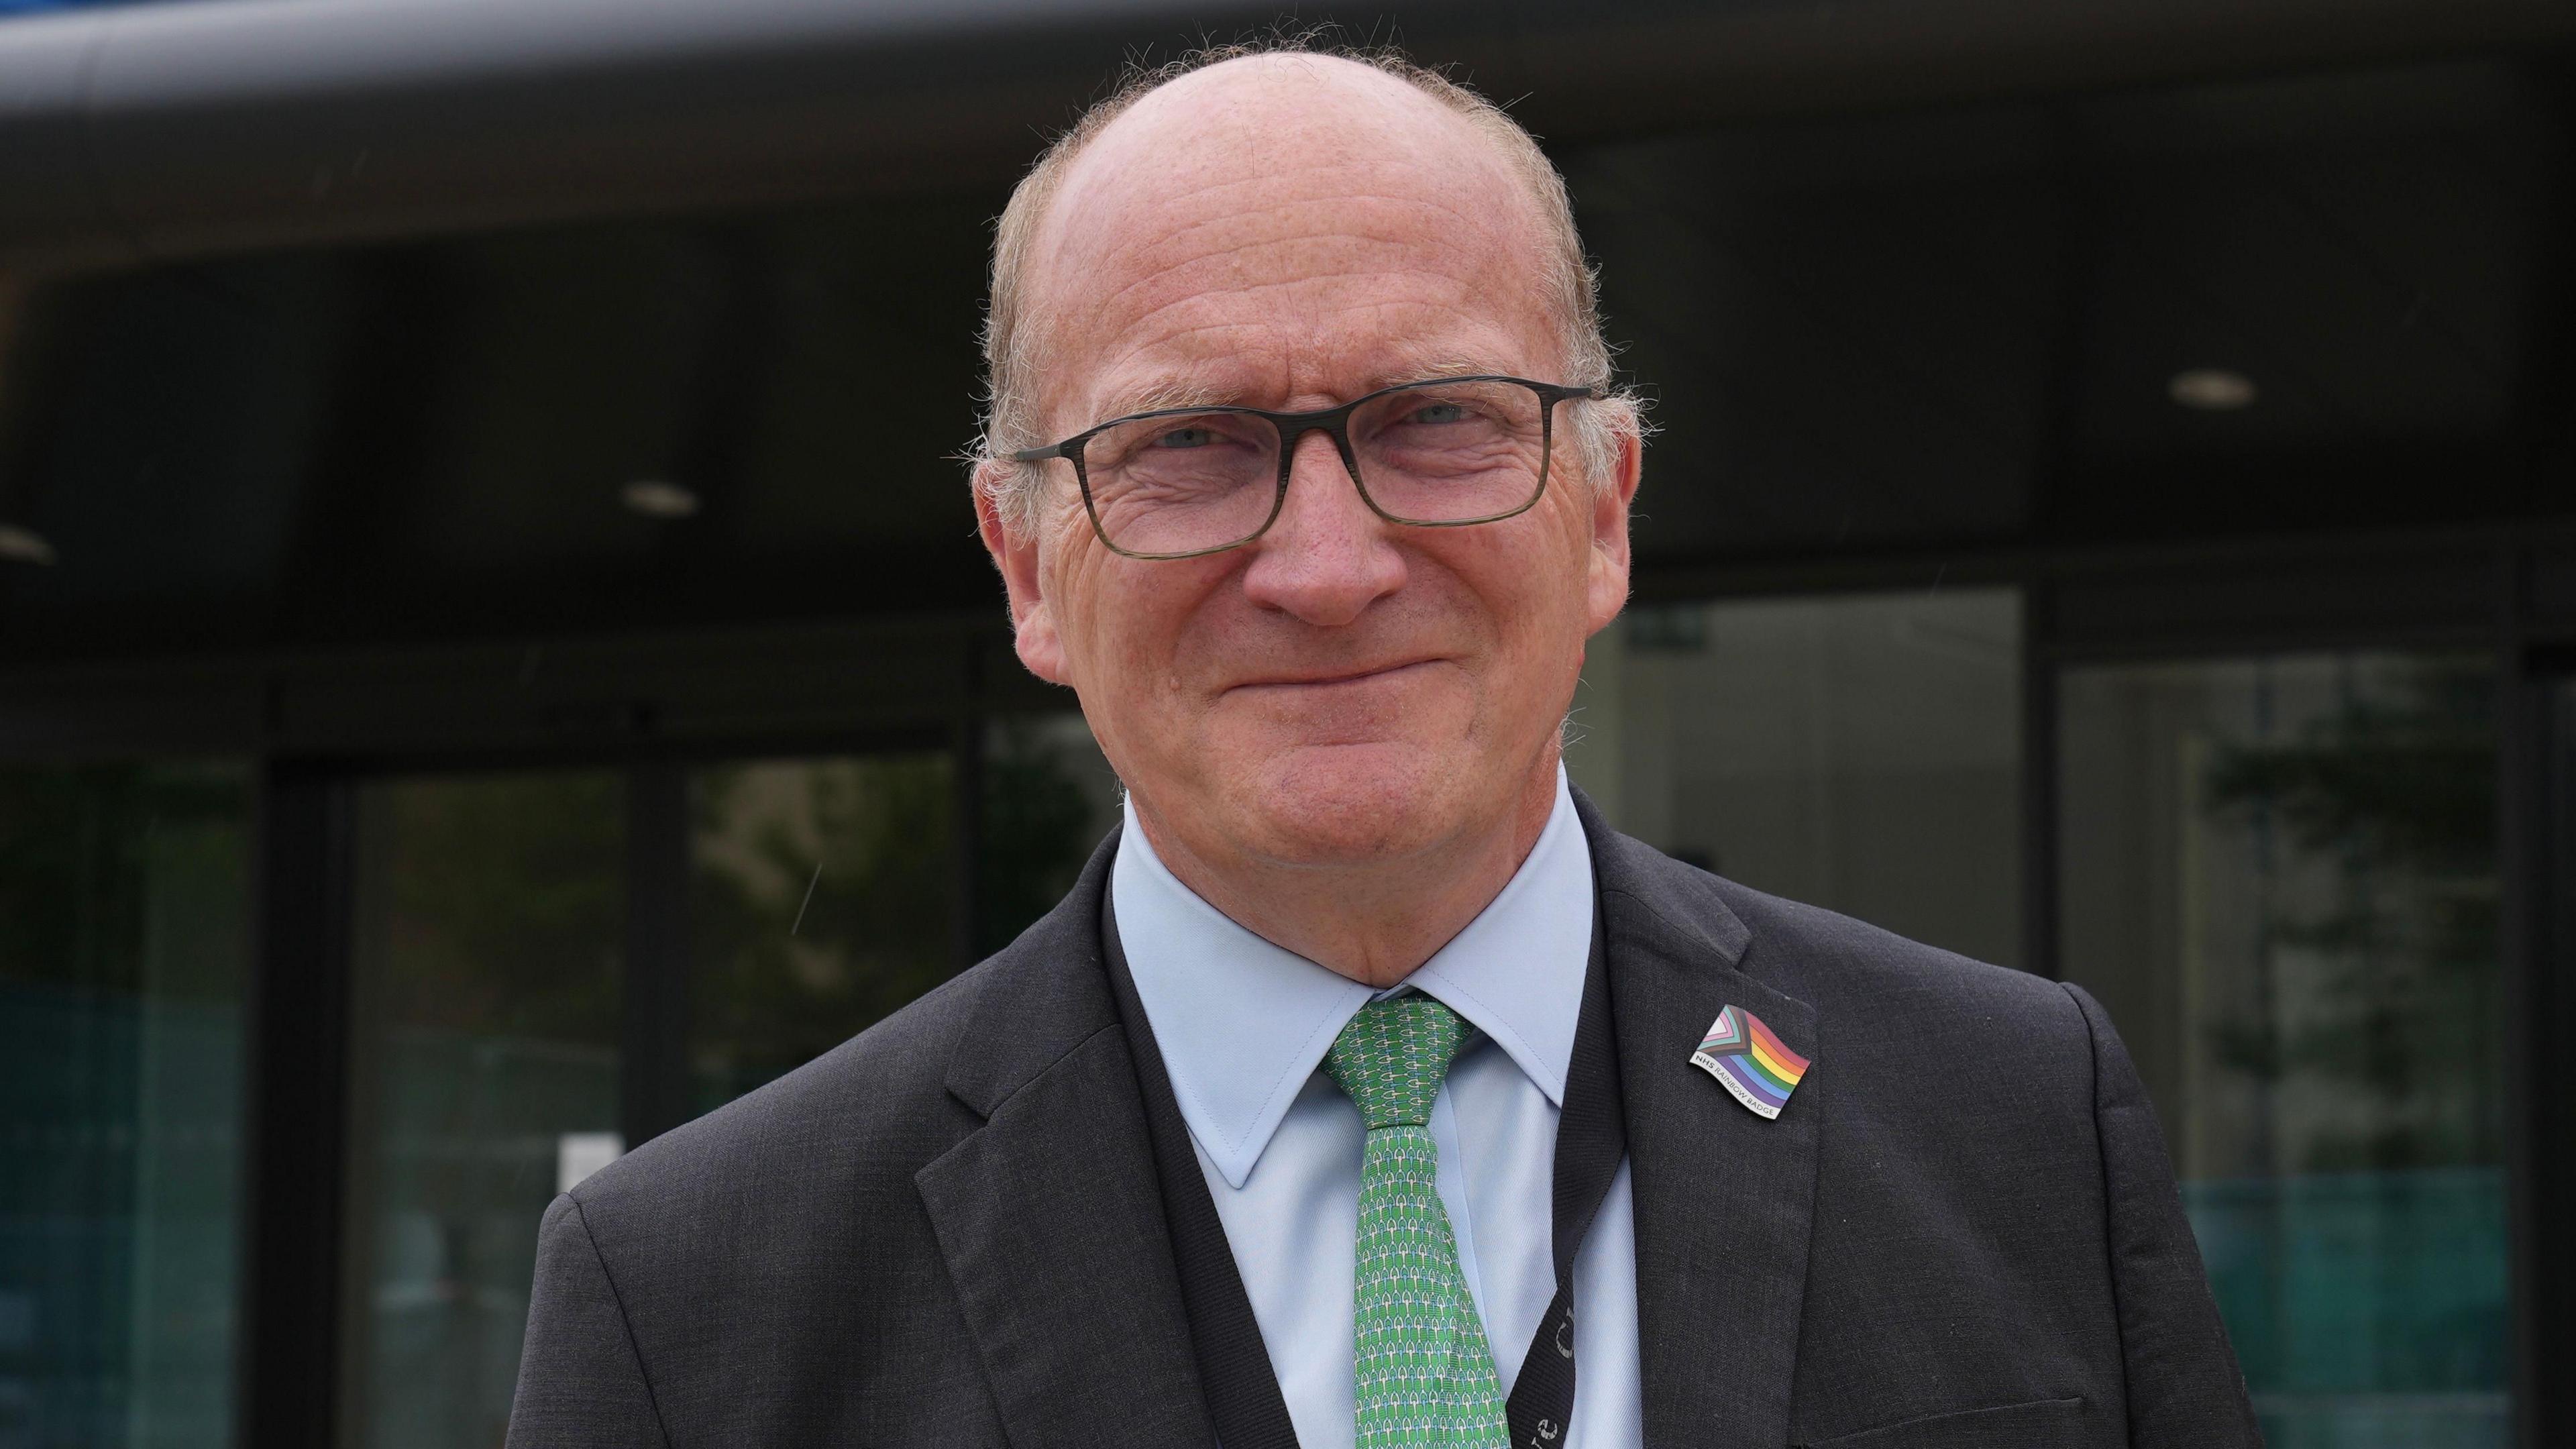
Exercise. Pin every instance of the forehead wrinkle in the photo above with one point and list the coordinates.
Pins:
(1288, 205)
(1189, 311)
(1323, 326)
(1098, 208)
(1451, 321)
(1173, 341)
(1384, 219)
(1246, 254)
(1260, 287)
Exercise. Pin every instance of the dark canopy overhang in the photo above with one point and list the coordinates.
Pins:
(163, 131)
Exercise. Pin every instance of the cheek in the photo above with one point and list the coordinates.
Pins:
(1518, 597)
(1550, 619)
(1128, 625)
(1534, 583)
(1081, 599)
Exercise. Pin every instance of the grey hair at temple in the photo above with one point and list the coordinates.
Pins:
(1010, 420)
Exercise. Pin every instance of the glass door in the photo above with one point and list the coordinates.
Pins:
(2280, 874)
(124, 941)
(484, 1057)
(2547, 1075)
(828, 891)
(508, 999)
(1860, 752)
(823, 893)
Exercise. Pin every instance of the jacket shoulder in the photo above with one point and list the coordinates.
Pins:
(847, 1131)
(1839, 957)
(1860, 978)
(875, 1105)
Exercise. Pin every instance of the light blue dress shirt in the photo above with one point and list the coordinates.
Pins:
(1243, 1027)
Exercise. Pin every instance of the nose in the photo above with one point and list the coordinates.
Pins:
(1326, 558)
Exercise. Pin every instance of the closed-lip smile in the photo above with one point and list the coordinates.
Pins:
(1348, 676)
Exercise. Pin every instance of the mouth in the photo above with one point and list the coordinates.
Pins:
(1337, 679)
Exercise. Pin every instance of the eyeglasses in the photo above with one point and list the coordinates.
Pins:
(1445, 453)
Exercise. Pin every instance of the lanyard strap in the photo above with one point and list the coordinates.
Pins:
(1591, 1140)
(1243, 1395)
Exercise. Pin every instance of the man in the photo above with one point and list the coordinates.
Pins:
(1368, 1089)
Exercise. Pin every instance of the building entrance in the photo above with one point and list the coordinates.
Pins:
(546, 966)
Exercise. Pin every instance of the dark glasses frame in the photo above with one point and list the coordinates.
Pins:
(1335, 423)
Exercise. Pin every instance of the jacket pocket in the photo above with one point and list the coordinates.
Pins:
(2039, 1424)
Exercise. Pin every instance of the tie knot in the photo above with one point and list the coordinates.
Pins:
(1393, 1056)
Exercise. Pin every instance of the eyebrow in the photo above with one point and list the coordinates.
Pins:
(1156, 396)
(1168, 393)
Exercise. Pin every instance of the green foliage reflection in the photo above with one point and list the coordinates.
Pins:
(823, 899)
(2393, 793)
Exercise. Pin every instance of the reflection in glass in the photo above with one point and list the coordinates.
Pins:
(2280, 877)
(485, 1030)
(823, 896)
(1048, 798)
(123, 927)
(1860, 753)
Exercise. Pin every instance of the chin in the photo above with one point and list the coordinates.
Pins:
(1345, 804)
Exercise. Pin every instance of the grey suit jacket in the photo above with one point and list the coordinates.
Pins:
(1962, 1230)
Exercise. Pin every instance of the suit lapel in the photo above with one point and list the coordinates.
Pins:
(1724, 1199)
(1050, 1216)
(1051, 1219)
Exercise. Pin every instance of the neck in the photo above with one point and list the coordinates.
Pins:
(1373, 921)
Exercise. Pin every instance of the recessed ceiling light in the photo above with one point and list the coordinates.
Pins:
(656, 499)
(2211, 389)
(23, 545)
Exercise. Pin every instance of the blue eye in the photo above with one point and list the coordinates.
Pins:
(1443, 412)
(1186, 438)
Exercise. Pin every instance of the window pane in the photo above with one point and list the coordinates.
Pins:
(1861, 754)
(1048, 798)
(484, 1063)
(2280, 876)
(123, 926)
(824, 895)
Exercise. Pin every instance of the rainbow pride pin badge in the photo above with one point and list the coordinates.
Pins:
(1749, 1060)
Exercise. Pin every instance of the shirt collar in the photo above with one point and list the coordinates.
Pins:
(1243, 1023)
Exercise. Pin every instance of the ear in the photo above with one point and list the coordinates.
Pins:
(1606, 586)
(1015, 556)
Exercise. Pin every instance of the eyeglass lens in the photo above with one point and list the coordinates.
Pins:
(1436, 453)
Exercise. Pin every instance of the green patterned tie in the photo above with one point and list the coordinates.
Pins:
(1426, 1375)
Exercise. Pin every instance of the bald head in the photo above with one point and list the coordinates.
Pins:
(1273, 170)
(1339, 702)
(1178, 183)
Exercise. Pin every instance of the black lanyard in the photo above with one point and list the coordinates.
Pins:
(1243, 1394)
(1591, 1138)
